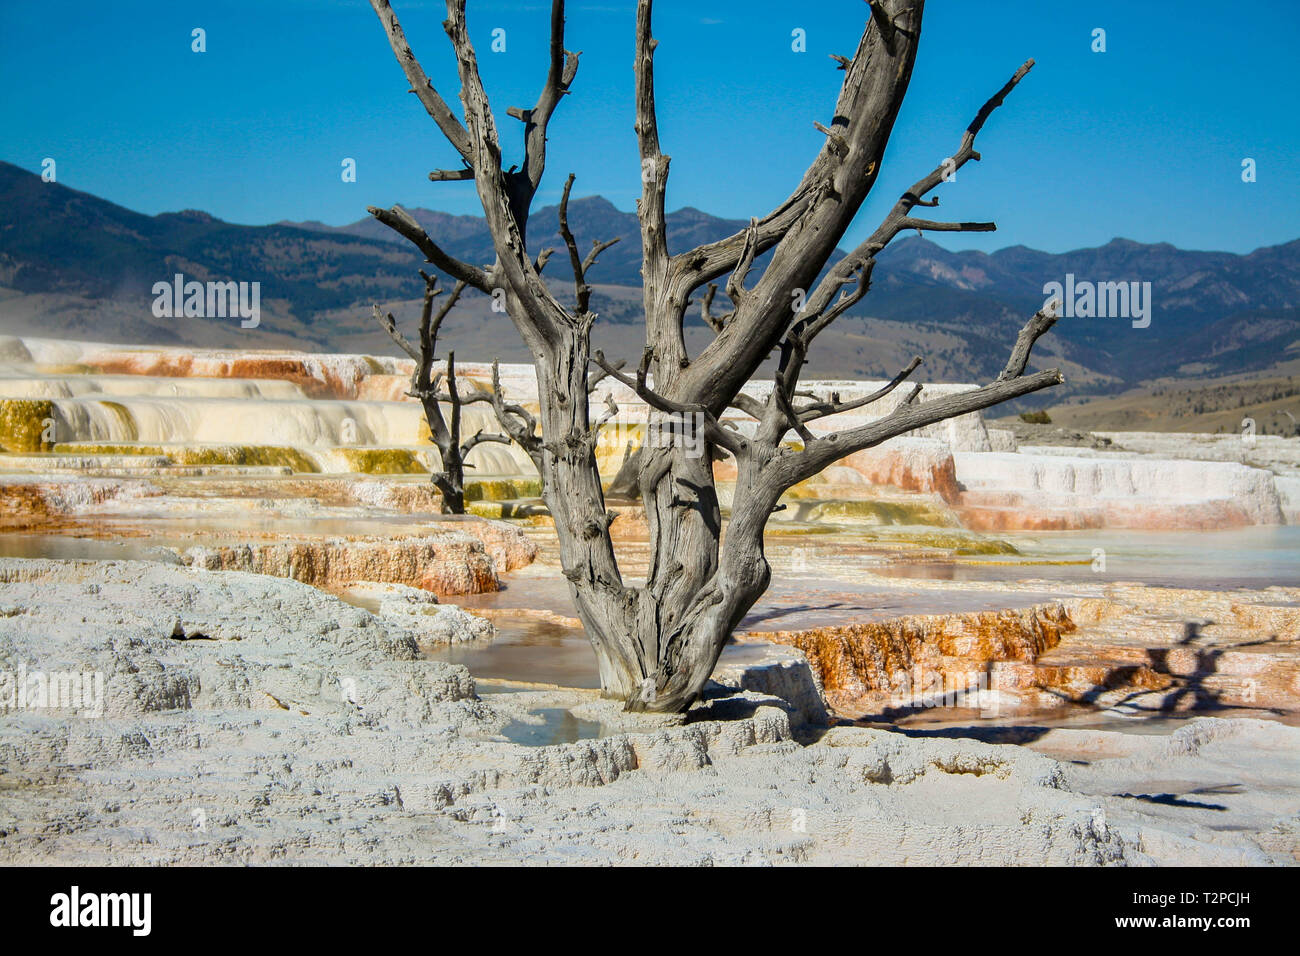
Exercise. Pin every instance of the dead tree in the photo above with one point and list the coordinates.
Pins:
(425, 382)
(657, 643)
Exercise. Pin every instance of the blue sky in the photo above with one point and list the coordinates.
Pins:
(1143, 141)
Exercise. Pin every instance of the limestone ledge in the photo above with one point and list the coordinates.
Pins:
(301, 729)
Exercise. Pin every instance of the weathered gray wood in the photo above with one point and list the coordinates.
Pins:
(446, 435)
(657, 644)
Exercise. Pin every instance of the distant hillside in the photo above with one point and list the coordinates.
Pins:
(77, 266)
(86, 256)
(591, 217)
(1189, 405)
(1212, 311)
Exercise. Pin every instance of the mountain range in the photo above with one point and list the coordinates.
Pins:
(77, 266)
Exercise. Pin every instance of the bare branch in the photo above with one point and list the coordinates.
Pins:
(421, 86)
(824, 205)
(452, 391)
(423, 384)
(910, 414)
(390, 326)
(518, 423)
(580, 265)
(930, 225)
(715, 259)
(749, 405)
(884, 23)
(908, 417)
(611, 412)
(839, 145)
(794, 349)
(736, 283)
(559, 76)
(993, 103)
(713, 430)
(597, 247)
(598, 376)
(447, 305)
(405, 225)
(717, 323)
(1039, 323)
(579, 281)
(480, 437)
(782, 400)
(898, 220)
(808, 329)
(709, 261)
(504, 195)
(654, 165)
(638, 384)
(664, 304)
(451, 175)
(505, 198)
(815, 410)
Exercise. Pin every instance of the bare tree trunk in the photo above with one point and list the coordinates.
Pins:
(657, 643)
(572, 491)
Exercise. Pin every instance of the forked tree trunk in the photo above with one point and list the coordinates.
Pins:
(657, 643)
(450, 482)
(655, 646)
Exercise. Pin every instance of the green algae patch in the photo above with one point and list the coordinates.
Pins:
(502, 489)
(1028, 563)
(382, 461)
(528, 509)
(960, 544)
(249, 455)
(271, 455)
(806, 490)
(789, 529)
(23, 423)
(990, 547)
(954, 542)
(109, 448)
(875, 512)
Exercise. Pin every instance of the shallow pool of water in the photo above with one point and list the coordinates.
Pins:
(1256, 557)
(526, 649)
(837, 586)
(557, 726)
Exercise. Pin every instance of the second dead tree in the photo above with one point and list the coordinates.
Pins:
(425, 384)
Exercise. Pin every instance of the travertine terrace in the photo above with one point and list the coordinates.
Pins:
(294, 645)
